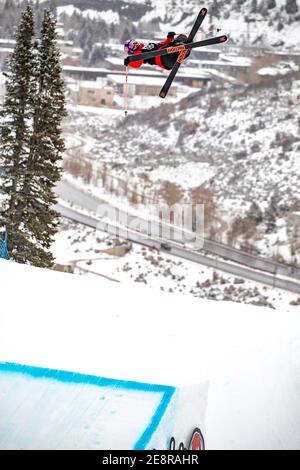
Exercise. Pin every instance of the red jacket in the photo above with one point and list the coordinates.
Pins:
(157, 60)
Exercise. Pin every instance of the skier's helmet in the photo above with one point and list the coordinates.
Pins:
(130, 46)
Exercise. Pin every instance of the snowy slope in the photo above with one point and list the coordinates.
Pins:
(258, 22)
(244, 361)
(271, 22)
(241, 143)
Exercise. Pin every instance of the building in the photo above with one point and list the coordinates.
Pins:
(91, 93)
(230, 66)
(207, 53)
(93, 73)
(143, 86)
(187, 76)
(193, 77)
(72, 60)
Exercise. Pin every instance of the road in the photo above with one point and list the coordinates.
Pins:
(230, 268)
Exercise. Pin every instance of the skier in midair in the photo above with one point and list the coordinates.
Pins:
(167, 62)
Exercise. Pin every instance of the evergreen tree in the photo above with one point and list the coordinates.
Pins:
(46, 147)
(291, 7)
(31, 142)
(15, 129)
(272, 213)
(215, 9)
(271, 4)
(126, 34)
(253, 8)
(255, 213)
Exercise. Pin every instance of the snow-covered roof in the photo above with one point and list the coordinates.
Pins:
(223, 63)
(73, 87)
(186, 72)
(134, 80)
(282, 68)
(237, 60)
(223, 76)
(209, 49)
(6, 49)
(193, 72)
(72, 68)
(62, 42)
(92, 84)
(114, 60)
(8, 41)
(77, 50)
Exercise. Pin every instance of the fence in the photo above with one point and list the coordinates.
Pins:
(3, 247)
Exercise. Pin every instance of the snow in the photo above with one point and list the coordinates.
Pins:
(188, 175)
(86, 250)
(248, 136)
(93, 110)
(248, 356)
(109, 16)
(282, 68)
(135, 80)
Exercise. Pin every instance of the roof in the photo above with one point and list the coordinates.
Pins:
(186, 72)
(115, 60)
(225, 63)
(91, 84)
(134, 80)
(6, 49)
(7, 41)
(236, 60)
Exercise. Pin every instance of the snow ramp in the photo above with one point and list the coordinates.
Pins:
(52, 409)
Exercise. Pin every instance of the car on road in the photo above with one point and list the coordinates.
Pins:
(165, 247)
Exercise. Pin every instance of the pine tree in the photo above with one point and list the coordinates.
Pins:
(271, 4)
(255, 213)
(291, 7)
(253, 8)
(272, 213)
(31, 143)
(46, 147)
(16, 118)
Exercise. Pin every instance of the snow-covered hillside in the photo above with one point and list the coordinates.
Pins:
(267, 23)
(235, 131)
(241, 144)
(233, 369)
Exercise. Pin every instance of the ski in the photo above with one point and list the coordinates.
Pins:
(165, 89)
(197, 24)
(178, 48)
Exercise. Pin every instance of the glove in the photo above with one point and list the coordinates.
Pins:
(126, 61)
(171, 34)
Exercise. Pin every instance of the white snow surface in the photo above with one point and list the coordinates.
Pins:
(249, 356)
(108, 16)
(187, 175)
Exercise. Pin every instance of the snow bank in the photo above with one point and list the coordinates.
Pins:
(122, 366)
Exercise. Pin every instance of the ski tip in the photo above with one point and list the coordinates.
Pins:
(162, 94)
(203, 11)
(223, 38)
